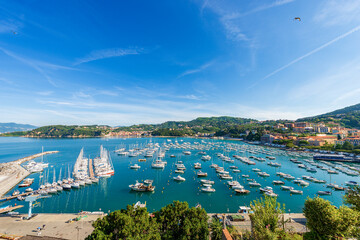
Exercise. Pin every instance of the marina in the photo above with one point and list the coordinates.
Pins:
(94, 174)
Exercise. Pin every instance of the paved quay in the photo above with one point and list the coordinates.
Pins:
(295, 222)
(12, 173)
(56, 225)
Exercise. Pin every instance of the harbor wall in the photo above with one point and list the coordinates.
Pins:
(12, 173)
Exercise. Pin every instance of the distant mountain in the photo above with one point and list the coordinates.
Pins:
(15, 127)
(347, 117)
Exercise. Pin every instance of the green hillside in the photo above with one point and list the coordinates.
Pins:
(59, 131)
(347, 117)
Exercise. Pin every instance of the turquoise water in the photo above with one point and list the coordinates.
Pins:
(113, 193)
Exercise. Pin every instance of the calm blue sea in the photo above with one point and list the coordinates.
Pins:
(113, 193)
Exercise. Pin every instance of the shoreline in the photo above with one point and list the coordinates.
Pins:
(12, 173)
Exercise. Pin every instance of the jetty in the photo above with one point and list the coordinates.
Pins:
(91, 169)
(12, 173)
(9, 209)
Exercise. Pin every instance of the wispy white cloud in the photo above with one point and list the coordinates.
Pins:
(109, 53)
(229, 14)
(348, 95)
(190, 97)
(5, 80)
(333, 12)
(10, 26)
(196, 70)
(45, 93)
(261, 8)
(355, 29)
(327, 90)
(40, 66)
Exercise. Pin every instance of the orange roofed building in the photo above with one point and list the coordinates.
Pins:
(319, 140)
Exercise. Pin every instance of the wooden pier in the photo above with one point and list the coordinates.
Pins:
(15, 196)
(91, 169)
(9, 209)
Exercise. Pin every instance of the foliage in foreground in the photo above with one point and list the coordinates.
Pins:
(216, 229)
(352, 198)
(178, 221)
(129, 223)
(327, 222)
(175, 221)
(266, 220)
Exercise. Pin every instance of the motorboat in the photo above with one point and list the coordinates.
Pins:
(351, 183)
(270, 193)
(158, 164)
(242, 191)
(66, 186)
(205, 181)
(202, 174)
(324, 192)
(148, 181)
(226, 176)
(276, 182)
(208, 189)
(254, 184)
(266, 189)
(293, 191)
(263, 174)
(237, 186)
(179, 178)
(233, 183)
(141, 187)
(197, 165)
(16, 192)
(286, 188)
(135, 166)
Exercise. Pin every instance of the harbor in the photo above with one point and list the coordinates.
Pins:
(110, 173)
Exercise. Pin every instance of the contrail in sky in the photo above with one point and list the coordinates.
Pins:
(308, 54)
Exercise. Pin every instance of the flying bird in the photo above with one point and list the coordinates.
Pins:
(297, 18)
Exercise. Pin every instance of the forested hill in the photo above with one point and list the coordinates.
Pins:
(178, 128)
(58, 131)
(207, 121)
(347, 117)
(201, 124)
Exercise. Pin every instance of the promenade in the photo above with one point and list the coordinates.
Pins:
(295, 222)
(60, 226)
(12, 173)
(56, 225)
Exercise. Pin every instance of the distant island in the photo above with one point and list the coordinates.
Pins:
(15, 127)
(337, 130)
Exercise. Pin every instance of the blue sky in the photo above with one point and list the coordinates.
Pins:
(129, 62)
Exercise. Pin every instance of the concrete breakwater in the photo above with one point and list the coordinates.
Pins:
(11, 173)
